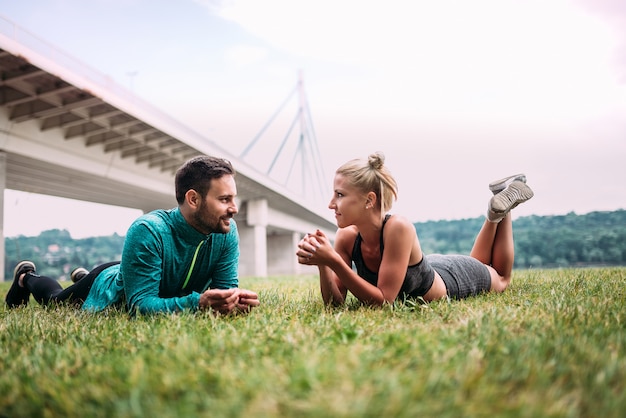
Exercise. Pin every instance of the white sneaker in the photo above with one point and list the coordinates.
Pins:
(500, 204)
(497, 186)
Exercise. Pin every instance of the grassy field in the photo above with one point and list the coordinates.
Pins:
(553, 345)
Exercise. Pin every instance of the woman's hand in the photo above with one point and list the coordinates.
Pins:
(312, 249)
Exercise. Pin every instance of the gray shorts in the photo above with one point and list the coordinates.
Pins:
(463, 275)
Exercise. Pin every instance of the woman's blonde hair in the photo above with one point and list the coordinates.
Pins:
(372, 176)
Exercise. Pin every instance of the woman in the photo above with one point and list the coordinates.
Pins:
(386, 251)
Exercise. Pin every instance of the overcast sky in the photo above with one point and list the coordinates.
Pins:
(456, 93)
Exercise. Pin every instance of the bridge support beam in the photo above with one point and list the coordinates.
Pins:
(281, 258)
(253, 241)
(268, 241)
(3, 183)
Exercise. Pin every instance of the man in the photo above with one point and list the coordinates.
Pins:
(184, 258)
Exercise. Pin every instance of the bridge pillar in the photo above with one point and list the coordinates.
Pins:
(282, 253)
(3, 182)
(253, 239)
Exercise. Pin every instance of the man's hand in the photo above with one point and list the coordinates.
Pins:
(225, 301)
(247, 300)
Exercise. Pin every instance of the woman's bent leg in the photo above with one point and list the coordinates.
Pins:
(503, 253)
(483, 244)
(494, 247)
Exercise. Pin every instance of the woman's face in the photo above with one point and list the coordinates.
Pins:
(348, 202)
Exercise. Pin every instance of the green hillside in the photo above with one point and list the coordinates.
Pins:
(596, 238)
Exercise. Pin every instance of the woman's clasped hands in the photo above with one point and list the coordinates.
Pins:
(312, 248)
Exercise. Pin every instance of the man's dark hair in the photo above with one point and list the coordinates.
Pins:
(197, 174)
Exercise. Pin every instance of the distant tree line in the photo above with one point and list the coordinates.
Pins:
(596, 238)
(56, 253)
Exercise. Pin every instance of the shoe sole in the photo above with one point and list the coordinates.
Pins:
(498, 185)
(78, 271)
(20, 265)
(517, 192)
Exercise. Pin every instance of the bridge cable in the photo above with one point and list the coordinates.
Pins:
(267, 124)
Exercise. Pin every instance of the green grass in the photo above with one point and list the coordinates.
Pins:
(553, 345)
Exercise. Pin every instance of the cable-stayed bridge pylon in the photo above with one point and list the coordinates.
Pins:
(297, 162)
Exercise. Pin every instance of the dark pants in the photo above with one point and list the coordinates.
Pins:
(47, 291)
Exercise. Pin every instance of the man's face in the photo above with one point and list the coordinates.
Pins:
(215, 211)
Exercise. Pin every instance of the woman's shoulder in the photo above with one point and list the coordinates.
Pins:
(398, 229)
(396, 222)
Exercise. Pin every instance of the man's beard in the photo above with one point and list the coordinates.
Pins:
(217, 227)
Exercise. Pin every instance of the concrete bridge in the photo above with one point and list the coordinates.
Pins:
(66, 130)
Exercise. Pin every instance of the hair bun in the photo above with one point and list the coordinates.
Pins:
(376, 160)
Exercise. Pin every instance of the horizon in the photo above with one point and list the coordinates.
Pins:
(127, 216)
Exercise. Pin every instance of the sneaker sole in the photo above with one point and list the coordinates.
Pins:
(22, 264)
(517, 192)
(76, 272)
(498, 185)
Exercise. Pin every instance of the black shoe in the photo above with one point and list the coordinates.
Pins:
(18, 295)
(78, 273)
